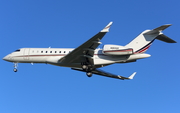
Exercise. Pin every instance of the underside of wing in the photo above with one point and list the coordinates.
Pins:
(106, 74)
(85, 52)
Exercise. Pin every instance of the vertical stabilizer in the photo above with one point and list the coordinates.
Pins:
(142, 42)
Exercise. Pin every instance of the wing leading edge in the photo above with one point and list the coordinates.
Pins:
(106, 74)
(85, 52)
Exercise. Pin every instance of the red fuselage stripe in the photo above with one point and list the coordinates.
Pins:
(118, 50)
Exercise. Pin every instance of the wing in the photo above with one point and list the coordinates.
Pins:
(106, 74)
(85, 52)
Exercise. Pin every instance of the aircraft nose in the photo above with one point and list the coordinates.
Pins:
(5, 58)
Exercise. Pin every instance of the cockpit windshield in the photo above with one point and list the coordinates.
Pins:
(17, 50)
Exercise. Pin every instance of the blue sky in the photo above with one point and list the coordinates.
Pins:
(45, 88)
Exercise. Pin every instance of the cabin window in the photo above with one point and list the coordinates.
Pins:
(33, 51)
(55, 51)
(59, 51)
(50, 51)
(37, 51)
(41, 51)
(46, 51)
(64, 51)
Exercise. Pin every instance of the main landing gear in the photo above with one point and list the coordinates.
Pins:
(89, 74)
(15, 67)
(88, 69)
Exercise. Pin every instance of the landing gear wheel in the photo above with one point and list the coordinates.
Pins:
(84, 67)
(89, 74)
(15, 70)
(15, 67)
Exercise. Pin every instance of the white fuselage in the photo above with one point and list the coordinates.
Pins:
(87, 58)
(53, 56)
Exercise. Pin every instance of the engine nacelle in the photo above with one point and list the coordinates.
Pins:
(116, 50)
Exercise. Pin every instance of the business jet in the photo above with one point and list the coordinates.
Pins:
(87, 58)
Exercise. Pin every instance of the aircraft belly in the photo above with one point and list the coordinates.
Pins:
(33, 59)
(102, 61)
(105, 59)
(73, 65)
(41, 59)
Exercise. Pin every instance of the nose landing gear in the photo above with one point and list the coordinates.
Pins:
(15, 70)
(15, 67)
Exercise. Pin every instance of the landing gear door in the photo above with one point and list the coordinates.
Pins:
(26, 54)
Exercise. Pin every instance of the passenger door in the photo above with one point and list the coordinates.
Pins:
(26, 54)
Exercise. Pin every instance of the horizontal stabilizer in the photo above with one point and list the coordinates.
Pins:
(157, 30)
(164, 38)
(161, 36)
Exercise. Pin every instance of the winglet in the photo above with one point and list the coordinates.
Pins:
(132, 76)
(106, 29)
(126, 78)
